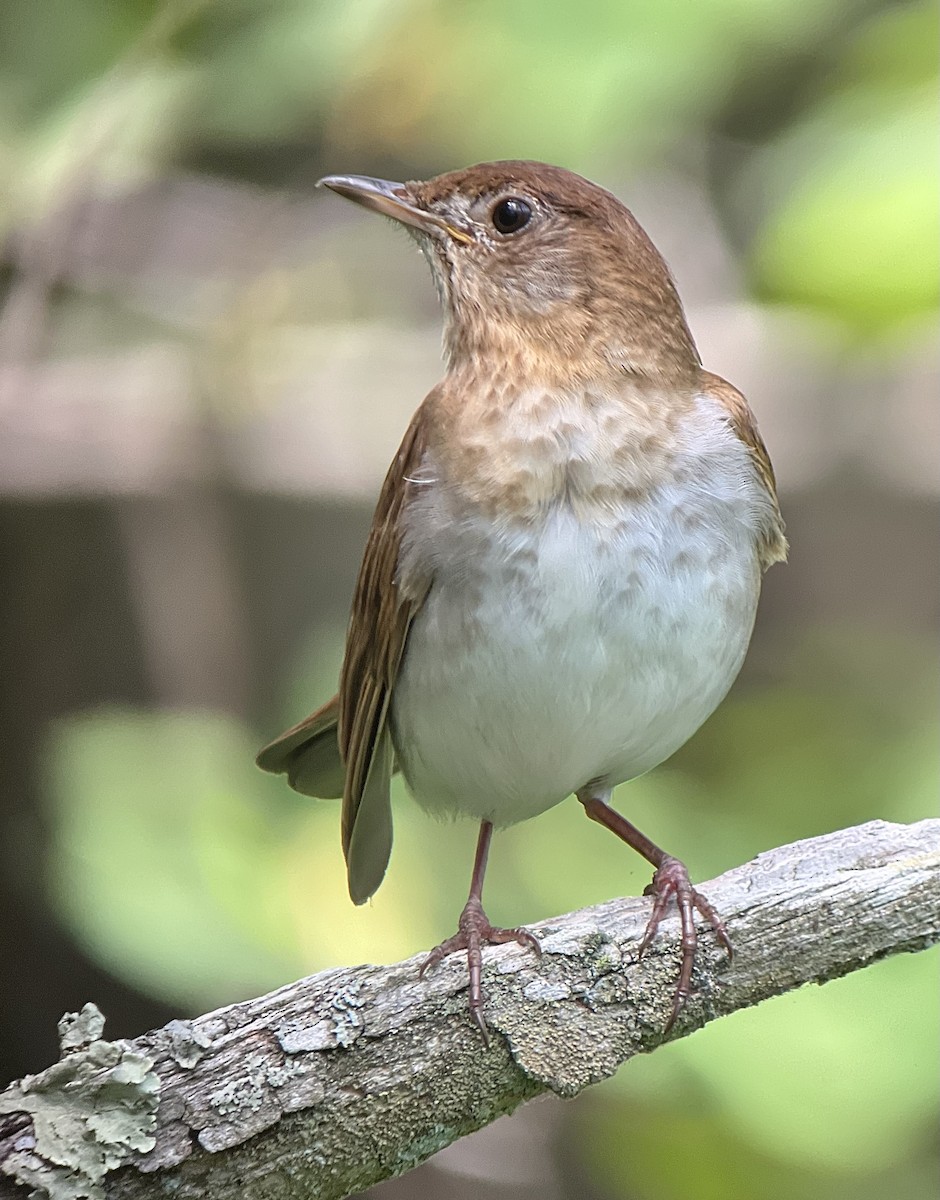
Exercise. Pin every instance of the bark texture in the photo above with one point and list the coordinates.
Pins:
(336, 1082)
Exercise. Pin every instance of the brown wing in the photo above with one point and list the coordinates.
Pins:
(383, 608)
(773, 547)
(344, 748)
(308, 753)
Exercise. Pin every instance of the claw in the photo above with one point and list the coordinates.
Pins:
(473, 932)
(670, 884)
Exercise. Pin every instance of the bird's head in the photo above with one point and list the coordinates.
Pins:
(537, 262)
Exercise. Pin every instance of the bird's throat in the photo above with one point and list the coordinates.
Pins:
(515, 450)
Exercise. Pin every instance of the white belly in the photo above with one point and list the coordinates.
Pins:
(558, 654)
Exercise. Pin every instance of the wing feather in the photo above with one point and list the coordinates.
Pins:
(308, 753)
(345, 747)
(384, 605)
(773, 544)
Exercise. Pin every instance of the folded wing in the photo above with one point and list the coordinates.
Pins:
(344, 748)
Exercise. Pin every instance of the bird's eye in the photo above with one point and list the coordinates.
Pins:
(511, 214)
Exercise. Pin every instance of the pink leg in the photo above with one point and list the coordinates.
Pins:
(670, 883)
(474, 931)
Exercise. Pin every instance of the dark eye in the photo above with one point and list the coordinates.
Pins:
(511, 214)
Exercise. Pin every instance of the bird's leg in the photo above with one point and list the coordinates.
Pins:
(670, 883)
(474, 931)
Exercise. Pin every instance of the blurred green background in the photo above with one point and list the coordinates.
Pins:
(204, 370)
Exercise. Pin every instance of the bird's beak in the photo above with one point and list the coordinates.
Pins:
(391, 200)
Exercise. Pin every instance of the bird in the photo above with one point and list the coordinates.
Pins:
(562, 573)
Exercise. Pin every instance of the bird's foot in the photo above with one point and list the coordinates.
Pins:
(670, 884)
(474, 931)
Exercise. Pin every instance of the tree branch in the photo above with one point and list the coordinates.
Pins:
(349, 1077)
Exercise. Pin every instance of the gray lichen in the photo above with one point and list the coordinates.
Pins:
(90, 1112)
(187, 1044)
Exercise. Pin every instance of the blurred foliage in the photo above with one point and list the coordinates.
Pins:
(855, 186)
(848, 187)
(160, 876)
